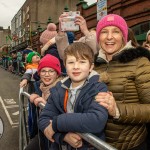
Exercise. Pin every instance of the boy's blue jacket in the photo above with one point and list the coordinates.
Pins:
(88, 116)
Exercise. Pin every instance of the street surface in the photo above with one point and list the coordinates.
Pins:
(9, 91)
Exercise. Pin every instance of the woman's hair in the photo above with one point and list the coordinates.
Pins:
(148, 33)
(79, 50)
(132, 38)
(146, 43)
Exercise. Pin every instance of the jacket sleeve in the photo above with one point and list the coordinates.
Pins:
(92, 120)
(47, 114)
(90, 40)
(62, 43)
(138, 112)
(26, 76)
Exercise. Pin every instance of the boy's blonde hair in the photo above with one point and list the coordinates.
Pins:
(79, 50)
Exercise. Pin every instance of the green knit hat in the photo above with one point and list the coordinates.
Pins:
(30, 55)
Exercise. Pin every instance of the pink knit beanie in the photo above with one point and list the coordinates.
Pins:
(48, 34)
(49, 61)
(112, 20)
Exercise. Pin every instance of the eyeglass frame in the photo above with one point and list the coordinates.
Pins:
(50, 72)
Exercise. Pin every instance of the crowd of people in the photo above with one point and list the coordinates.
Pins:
(15, 62)
(99, 84)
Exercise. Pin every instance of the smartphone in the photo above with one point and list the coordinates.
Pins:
(67, 23)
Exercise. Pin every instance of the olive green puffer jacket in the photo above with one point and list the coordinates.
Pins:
(128, 78)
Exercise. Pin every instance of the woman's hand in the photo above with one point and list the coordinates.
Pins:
(49, 132)
(79, 20)
(73, 139)
(107, 100)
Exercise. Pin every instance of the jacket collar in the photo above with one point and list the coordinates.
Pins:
(94, 76)
(126, 54)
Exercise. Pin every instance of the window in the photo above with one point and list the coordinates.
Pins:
(141, 28)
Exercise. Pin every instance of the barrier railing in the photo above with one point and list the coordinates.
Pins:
(23, 134)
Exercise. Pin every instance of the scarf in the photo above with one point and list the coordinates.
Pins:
(46, 89)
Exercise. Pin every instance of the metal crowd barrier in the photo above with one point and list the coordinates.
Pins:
(23, 134)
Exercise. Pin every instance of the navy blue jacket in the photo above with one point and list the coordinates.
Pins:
(88, 116)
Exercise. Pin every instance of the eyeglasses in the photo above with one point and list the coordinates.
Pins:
(50, 72)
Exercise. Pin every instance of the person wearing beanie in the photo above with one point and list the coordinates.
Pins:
(32, 60)
(49, 70)
(47, 39)
(33, 57)
(51, 62)
(48, 34)
(126, 71)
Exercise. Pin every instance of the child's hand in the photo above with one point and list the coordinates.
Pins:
(33, 97)
(73, 139)
(23, 83)
(39, 100)
(49, 132)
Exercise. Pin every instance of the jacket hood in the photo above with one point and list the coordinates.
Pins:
(130, 54)
(127, 54)
(92, 76)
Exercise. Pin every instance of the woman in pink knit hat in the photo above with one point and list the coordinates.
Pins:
(126, 71)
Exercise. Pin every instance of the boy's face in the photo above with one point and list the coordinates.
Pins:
(35, 59)
(48, 75)
(78, 69)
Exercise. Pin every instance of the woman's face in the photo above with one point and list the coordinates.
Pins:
(48, 75)
(111, 40)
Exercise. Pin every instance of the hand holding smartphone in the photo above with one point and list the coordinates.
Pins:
(68, 22)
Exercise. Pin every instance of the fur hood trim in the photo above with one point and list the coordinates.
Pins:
(130, 54)
(127, 54)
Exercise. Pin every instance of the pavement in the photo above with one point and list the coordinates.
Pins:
(9, 110)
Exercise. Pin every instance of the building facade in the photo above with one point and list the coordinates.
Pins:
(34, 15)
(135, 12)
(5, 39)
